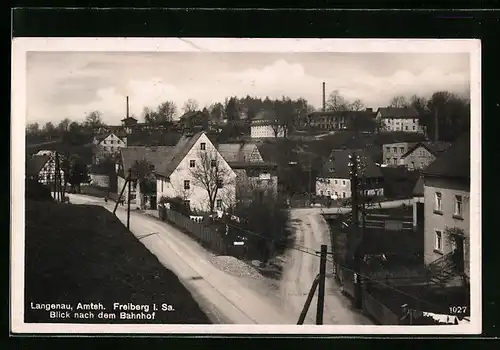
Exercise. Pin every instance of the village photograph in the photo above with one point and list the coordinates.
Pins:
(252, 188)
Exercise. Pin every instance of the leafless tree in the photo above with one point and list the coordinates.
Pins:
(33, 129)
(357, 105)
(399, 102)
(191, 105)
(211, 173)
(336, 102)
(93, 120)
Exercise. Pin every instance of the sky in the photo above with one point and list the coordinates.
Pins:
(71, 84)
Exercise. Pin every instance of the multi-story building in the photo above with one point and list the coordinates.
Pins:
(334, 181)
(392, 153)
(265, 125)
(422, 154)
(109, 144)
(447, 204)
(341, 120)
(398, 119)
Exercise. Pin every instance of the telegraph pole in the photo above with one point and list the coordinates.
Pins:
(128, 199)
(321, 286)
(358, 235)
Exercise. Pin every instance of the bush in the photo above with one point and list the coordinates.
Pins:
(267, 217)
(176, 204)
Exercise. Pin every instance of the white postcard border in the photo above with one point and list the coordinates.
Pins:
(20, 47)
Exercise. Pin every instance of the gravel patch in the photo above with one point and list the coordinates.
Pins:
(235, 267)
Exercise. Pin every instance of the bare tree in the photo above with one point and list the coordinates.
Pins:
(191, 105)
(399, 102)
(33, 129)
(166, 112)
(211, 174)
(93, 120)
(357, 105)
(64, 125)
(336, 102)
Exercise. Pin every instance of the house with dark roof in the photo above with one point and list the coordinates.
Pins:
(447, 207)
(423, 153)
(341, 120)
(196, 172)
(154, 156)
(334, 180)
(42, 168)
(399, 119)
(265, 125)
(194, 121)
(392, 153)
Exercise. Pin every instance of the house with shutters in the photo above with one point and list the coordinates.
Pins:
(197, 172)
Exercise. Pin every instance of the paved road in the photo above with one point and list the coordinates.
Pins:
(225, 298)
(311, 231)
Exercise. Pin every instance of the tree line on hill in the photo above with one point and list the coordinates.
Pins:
(451, 111)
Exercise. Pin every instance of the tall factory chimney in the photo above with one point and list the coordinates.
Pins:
(127, 108)
(324, 97)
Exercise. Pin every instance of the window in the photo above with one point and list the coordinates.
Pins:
(187, 203)
(321, 192)
(412, 165)
(414, 121)
(329, 193)
(213, 163)
(387, 149)
(413, 127)
(395, 160)
(439, 241)
(438, 202)
(343, 194)
(219, 204)
(336, 193)
(192, 163)
(336, 182)
(219, 183)
(203, 146)
(406, 127)
(111, 142)
(395, 149)
(402, 149)
(387, 160)
(343, 182)
(187, 184)
(458, 206)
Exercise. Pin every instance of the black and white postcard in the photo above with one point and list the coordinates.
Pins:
(268, 186)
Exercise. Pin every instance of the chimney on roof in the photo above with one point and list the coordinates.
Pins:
(127, 108)
(324, 97)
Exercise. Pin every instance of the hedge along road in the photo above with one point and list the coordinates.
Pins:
(224, 298)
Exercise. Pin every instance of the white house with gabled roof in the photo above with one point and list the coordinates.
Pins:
(195, 165)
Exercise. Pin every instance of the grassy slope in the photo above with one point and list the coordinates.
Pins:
(84, 254)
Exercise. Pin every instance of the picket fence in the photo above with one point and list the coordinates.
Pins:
(207, 235)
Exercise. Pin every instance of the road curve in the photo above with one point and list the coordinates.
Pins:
(225, 298)
(311, 231)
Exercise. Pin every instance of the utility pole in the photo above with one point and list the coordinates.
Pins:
(321, 286)
(128, 199)
(357, 239)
